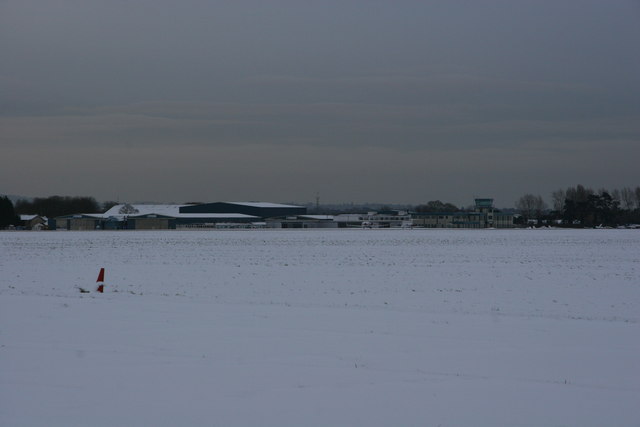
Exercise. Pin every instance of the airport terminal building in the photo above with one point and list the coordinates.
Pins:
(484, 215)
(227, 215)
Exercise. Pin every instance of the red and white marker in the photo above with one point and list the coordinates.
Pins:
(100, 281)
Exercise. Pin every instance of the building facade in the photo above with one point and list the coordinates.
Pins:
(272, 215)
(484, 215)
(166, 217)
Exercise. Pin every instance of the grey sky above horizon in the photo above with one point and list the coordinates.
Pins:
(359, 101)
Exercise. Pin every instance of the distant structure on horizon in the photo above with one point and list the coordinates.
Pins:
(163, 217)
(224, 215)
(484, 215)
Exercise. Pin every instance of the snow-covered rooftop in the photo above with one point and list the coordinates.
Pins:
(27, 217)
(263, 205)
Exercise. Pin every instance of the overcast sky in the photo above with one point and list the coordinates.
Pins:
(378, 101)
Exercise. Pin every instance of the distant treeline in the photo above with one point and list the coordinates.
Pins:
(577, 206)
(583, 207)
(436, 206)
(58, 205)
(50, 207)
(8, 214)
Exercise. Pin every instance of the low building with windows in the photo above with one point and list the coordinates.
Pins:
(302, 221)
(78, 222)
(484, 215)
(33, 222)
(385, 219)
(448, 219)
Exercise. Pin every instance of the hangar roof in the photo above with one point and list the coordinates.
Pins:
(214, 215)
(263, 204)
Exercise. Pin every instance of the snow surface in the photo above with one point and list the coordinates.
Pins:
(321, 327)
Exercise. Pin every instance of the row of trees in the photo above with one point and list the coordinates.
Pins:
(436, 206)
(8, 214)
(58, 205)
(50, 207)
(583, 206)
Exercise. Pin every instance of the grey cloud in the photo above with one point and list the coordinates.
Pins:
(433, 96)
(398, 127)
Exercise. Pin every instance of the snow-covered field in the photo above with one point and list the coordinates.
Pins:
(327, 327)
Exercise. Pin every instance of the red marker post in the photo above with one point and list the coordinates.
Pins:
(100, 281)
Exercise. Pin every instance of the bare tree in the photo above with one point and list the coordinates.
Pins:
(579, 193)
(615, 195)
(530, 206)
(558, 198)
(128, 209)
(108, 205)
(627, 198)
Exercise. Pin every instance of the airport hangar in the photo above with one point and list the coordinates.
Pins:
(163, 217)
